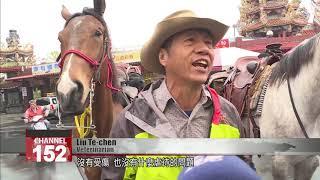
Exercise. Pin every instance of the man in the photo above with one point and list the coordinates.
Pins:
(180, 106)
(35, 110)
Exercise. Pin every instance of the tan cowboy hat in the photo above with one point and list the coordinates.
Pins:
(174, 23)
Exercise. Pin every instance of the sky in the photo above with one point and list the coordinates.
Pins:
(131, 22)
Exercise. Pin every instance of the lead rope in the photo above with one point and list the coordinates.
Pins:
(93, 127)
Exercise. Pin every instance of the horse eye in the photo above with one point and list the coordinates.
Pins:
(98, 33)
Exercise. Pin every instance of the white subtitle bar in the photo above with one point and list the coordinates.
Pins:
(195, 146)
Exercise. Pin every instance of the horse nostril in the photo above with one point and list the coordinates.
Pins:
(79, 86)
(76, 92)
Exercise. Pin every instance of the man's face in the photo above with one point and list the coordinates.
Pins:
(189, 58)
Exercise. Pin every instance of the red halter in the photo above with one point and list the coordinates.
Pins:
(92, 62)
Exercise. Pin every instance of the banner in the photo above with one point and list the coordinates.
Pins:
(126, 57)
(223, 43)
(45, 68)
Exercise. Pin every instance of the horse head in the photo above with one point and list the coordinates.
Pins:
(84, 50)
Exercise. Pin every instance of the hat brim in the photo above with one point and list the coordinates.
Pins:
(165, 29)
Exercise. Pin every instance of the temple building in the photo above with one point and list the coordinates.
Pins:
(316, 16)
(272, 21)
(21, 77)
(275, 18)
(14, 61)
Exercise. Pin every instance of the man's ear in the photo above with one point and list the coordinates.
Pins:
(163, 57)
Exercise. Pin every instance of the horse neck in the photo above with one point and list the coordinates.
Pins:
(102, 107)
(305, 91)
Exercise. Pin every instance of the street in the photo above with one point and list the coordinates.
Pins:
(15, 166)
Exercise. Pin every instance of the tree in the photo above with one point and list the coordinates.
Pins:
(53, 55)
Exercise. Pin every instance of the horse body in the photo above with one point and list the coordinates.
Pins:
(278, 120)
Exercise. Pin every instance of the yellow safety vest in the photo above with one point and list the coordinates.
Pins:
(172, 173)
(217, 131)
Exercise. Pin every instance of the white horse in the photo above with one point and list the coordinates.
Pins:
(302, 68)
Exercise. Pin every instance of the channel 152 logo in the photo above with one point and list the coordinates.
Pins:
(49, 145)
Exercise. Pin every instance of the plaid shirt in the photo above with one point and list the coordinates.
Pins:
(196, 125)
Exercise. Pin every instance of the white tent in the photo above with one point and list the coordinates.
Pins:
(228, 56)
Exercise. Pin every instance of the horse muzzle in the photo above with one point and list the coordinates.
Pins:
(70, 101)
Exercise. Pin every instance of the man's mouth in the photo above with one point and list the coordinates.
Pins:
(202, 63)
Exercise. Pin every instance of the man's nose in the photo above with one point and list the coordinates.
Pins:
(202, 48)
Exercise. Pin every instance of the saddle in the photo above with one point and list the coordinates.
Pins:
(245, 83)
(238, 82)
(245, 67)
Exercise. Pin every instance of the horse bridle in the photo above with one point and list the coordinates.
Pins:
(106, 57)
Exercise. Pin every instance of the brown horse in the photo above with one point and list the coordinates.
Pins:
(86, 59)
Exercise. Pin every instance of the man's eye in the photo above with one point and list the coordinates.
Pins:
(190, 40)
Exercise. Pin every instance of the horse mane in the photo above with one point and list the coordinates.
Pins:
(91, 12)
(293, 62)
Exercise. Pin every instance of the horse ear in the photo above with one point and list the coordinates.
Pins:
(65, 13)
(99, 6)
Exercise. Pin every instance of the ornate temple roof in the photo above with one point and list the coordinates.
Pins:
(273, 5)
(26, 50)
(275, 22)
(316, 6)
(13, 55)
(259, 45)
(253, 10)
(255, 16)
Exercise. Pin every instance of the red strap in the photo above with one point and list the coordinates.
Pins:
(80, 54)
(93, 63)
(216, 104)
(109, 75)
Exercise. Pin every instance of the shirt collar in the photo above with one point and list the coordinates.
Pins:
(206, 98)
(164, 96)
